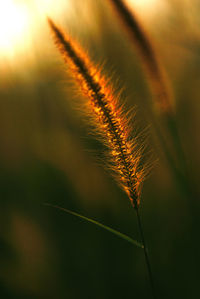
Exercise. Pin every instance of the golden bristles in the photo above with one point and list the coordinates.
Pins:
(109, 119)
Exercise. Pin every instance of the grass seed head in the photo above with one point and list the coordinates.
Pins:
(109, 119)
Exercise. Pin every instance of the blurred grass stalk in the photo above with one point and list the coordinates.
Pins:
(161, 91)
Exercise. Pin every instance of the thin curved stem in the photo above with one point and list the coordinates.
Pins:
(150, 274)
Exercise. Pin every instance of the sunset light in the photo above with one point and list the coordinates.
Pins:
(24, 22)
(13, 25)
(99, 149)
(148, 8)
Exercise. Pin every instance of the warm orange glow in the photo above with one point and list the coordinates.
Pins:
(144, 2)
(52, 7)
(148, 8)
(109, 119)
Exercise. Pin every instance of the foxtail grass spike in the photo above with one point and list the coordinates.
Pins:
(156, 76)
(108, 117)
(158, 82)
(109, 121)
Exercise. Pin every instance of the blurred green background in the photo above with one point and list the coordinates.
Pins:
(47, 154)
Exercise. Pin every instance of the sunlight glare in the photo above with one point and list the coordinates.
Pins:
(23, 23)
(148, 8)
(13, 24)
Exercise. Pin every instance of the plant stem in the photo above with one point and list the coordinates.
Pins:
(146, 255)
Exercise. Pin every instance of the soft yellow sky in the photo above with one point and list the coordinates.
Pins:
(24, 34)
(21, 21)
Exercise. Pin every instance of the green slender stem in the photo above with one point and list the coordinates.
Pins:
(150, 274)
(105, 227)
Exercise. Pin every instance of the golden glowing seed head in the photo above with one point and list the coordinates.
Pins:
(109, 119)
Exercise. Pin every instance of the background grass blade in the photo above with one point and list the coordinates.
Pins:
(115, 232)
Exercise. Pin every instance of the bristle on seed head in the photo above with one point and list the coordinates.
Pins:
(109, 119)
